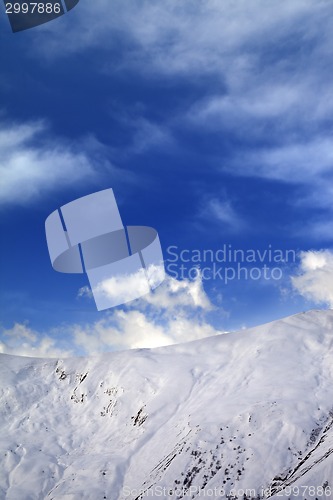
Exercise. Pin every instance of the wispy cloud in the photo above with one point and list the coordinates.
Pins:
(175, 37)
(272, 90)
(220, 211)
(34, 163)
(300, 163)
(149, 135)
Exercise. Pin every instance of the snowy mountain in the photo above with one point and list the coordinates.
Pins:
(240, 415)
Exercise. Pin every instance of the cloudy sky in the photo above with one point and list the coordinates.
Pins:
(212, 122)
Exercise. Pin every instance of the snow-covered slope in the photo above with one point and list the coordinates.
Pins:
(251, 411)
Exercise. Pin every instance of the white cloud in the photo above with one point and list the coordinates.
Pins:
(315, 278)
(23, 341)
(135, 329)
(123, 330)
(174, 312)
(125, 287)
(32, 163)
(171, 295)
(20, 331)
(175, 294)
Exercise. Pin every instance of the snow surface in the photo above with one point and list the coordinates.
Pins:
(251, 410)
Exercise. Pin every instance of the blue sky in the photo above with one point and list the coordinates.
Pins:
(211, 121)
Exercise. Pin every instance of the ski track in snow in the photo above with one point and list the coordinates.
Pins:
(250, 410)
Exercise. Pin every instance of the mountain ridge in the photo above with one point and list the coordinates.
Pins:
(244, 413)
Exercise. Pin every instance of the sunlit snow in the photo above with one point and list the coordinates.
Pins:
(241, 414)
